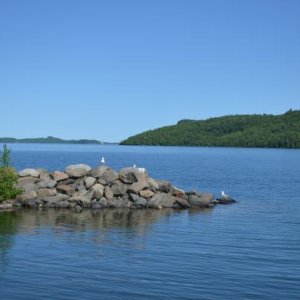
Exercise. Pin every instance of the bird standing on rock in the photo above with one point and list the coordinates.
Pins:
(102, 160)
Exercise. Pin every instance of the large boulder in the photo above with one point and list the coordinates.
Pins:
(146, 194)
(59, 176)
(165, 186)
(162, 200)
(138, 200)
(118, 188)
(97, 173)
(108, 176)
(82, 199)
(47, 183)
(138, 186)
(98, 190)
(26, 196)
(89, 181)
(42, 193)
(76, 171)
(108, 194)
(200, 199)
(52, 200)
(29, 172)
(27, 188)
(26, 180)
(65, 189)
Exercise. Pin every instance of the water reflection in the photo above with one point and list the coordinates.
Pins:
(8, 228)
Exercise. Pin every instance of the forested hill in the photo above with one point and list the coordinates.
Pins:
(49, 140)
(273, 131)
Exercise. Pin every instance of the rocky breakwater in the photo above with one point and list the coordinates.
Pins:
(80, 186)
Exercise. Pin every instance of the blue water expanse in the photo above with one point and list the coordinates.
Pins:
(249, 250)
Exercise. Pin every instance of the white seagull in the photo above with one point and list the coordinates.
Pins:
(102, 160)
(224, 195)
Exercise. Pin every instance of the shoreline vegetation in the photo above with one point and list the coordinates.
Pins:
(251, 131)
(51, 140)
(81, 187)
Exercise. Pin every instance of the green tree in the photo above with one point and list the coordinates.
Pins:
(8, 177)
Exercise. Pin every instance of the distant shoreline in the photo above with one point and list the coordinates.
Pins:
(52, 140)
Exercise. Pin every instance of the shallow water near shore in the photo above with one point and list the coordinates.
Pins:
(248, 250)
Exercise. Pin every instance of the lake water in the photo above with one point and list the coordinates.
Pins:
(249, 250)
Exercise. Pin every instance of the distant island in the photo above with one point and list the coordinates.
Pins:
(51, 140)
(267, 131)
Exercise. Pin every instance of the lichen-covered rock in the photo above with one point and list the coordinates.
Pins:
(76, 171)
(29, 172)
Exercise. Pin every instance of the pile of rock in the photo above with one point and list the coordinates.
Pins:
(80, 186)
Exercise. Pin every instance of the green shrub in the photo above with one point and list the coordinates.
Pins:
(8, 181)
(5, 160)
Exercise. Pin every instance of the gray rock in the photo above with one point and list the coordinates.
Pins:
(97, 173)
(182, 203)
(27, 188)
(153, 185)
(44, 175)
(82, 199)
(137, 200)
(62, 204)
(118, 188)
(98, 190)
(161, 200)
(108, 176)
(96, 205)
(132, 175)
(89, 181)
(78, 208)
(65, 189)
(54, 199)
(103, 202)
(47, 183)
(26, 196)
(79, 185)
(26, 180)
(66, 181)
(138, 186)
(200, 200)
(165, 186)
(76, 171)
(59, 176)
(42, 193)
(4, 206)
(146, 194)
(29, 172)
(108, 194)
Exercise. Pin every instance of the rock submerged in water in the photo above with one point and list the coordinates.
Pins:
(80, 187)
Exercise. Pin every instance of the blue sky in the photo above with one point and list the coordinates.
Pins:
(111, 69)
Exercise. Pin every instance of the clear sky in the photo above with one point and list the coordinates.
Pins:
(111, 69)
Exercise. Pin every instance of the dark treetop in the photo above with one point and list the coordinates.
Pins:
(272, 131)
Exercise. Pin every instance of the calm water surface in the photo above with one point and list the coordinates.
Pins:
(250, 250)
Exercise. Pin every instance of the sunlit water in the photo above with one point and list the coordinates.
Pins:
(249, 250)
